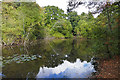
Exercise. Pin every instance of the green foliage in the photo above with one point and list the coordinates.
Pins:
(11, 26)
(52, 14)
(33, 19)
(21, 21)
(74, 19)
(28, 22)
(85, 25)
(58, 35)
(64, 27)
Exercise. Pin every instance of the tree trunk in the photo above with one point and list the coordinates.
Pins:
(108, 17)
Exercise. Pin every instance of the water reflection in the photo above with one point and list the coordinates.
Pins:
(67, 69)
(28, 59)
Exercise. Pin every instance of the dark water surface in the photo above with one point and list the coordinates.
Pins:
(69, 58)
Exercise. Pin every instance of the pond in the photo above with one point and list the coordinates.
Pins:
(59, 58)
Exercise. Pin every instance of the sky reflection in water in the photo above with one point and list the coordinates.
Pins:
(67, 69)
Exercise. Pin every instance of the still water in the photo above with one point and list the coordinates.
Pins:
(67, 69)
(68, 58)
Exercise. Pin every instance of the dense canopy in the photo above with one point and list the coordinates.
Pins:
(24, 22)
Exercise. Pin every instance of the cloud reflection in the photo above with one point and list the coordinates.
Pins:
(67, 69)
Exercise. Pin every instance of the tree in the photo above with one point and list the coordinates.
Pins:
(11, 26)
(52, 14)
(85, 25)
(74, 19)
(33, 20)
(22, 21)
(63, 28)
(98, 7)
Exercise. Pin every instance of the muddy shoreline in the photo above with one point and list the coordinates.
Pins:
(108, 68)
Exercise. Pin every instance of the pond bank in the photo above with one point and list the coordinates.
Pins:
(45, 39)
(108, 68)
